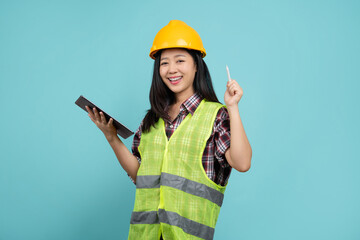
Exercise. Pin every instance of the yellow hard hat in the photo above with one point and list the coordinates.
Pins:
(177, 34)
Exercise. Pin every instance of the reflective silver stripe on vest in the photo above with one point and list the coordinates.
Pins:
(187, 225)
(150, 217)
(183, 184)
(191, 187)
(148, 181)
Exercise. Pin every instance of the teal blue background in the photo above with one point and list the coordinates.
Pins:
(297, 62)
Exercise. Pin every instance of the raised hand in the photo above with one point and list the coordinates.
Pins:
(233, 93)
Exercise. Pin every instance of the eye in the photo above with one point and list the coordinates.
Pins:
(163, 63)
(181, 60)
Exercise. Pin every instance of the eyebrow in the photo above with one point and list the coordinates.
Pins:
(179, 55)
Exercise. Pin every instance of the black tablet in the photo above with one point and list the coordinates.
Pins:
(121, 129)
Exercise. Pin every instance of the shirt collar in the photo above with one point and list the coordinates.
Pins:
(191, 103)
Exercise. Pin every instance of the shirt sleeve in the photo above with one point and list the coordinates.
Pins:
(222, 136)
(136, 143)
(135, 146)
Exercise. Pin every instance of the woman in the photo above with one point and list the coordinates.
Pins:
(186, 145)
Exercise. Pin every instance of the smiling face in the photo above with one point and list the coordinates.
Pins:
(177, 70)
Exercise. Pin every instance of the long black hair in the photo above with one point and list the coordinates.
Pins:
(161, 96)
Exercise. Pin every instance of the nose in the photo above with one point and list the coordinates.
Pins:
(172, 68)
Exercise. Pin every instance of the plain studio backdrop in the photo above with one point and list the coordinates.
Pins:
(297, 62)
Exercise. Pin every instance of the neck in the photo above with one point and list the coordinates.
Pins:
(182, 97)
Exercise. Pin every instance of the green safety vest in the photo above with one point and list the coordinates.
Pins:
(174, 196)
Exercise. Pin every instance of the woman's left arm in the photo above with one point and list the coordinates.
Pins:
(239, 154)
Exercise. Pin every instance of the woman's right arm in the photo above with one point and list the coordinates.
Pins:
(126, 159)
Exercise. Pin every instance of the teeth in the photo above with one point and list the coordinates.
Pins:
(174, 79)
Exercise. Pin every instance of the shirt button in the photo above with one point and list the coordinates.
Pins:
(171, 126)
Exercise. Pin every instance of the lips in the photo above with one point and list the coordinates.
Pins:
(175, 80)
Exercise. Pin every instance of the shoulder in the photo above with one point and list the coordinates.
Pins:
(222, 113)
(208, 103)
(212, 106)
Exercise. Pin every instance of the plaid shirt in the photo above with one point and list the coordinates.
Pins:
(213, 160)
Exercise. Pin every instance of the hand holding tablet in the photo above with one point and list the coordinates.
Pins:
(104, 121)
